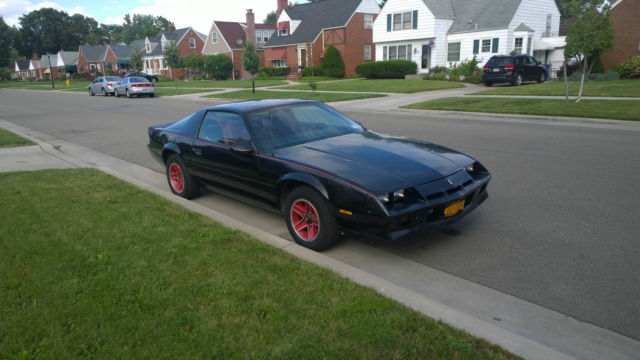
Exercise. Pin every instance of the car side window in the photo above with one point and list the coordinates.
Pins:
(223, 128)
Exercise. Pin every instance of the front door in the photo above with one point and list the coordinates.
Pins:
(426, 56)
(303, 58)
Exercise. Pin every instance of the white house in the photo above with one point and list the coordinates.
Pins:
(446, 32)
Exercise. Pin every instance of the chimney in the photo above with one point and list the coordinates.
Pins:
(34, 56)
(251, 27)
(282, 5)
(172, 28)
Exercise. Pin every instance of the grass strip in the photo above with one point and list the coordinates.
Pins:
(220, 84)
(377, 85)
(601, 109)
(265, 94)
(617, 88)
(91, 267)
(9, 139)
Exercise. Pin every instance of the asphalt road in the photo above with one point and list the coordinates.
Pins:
(561, 227)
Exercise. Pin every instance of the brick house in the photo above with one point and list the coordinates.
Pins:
(305, 31)
(187, 40)
(48, 66)
(95, 60)
(21, 69)
(626, 27)
(230, 38)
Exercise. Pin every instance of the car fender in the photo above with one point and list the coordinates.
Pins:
(306, 179)
(168, 149)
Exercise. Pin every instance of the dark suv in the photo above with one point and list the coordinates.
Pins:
(152, 78)
(514, 69)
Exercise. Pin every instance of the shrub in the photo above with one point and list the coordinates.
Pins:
(465, 71)
(5, 74)
(572, 67)
(163, 78)
(317, 71)
(218, 66)
(269, 71)
(629, 69)
(608, 76)
(332, 64)
(391, 69)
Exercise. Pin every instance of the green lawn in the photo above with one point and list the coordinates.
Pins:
(375, 85)
(91, 267)
(265, 94)
(9, 139)
(619, 88)
(603, 109)
(44, 85)
(220, 84)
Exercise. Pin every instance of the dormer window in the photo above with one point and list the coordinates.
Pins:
(214, 37)
(283, 28)
(148, 47)
(192, 43)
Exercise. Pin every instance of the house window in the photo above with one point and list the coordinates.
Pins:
(147, 66)
(400, 52)
(453, 52)
(192, 43)
(547, 31)
(368, 21)
(258, 36)
(397, 22)
(214, 37)
(486, 45)
(266, 34)
(517, 47)
(406, 21)
(279, 63)
(367, 52)
(282, 32)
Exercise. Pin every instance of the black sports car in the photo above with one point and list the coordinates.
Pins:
(322, 170)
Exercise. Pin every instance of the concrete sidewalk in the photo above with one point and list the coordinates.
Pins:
(526, 329)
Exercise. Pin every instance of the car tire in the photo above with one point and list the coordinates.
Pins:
(152, 95)
(488, 83)
(517, 81)
(115, 92)
(541, 77)
(91, 93)
(180, 181)
(309, 219)
(104, 93)
(128, 93)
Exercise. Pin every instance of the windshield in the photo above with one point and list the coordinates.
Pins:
(500, 61)
(290, 125)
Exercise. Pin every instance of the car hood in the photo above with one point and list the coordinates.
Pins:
(377, 163)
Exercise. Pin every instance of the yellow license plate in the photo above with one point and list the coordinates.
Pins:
(454, 208)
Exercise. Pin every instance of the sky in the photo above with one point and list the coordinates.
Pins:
(184, 13)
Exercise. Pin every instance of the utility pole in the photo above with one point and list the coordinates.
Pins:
(53, 85)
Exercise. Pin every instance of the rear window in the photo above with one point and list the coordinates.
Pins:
(500, 61)
(112, 78)
(137, 79)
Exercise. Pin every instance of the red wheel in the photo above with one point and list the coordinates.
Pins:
(309, 219)
(176, 178)
(305, 220)
(179, 179)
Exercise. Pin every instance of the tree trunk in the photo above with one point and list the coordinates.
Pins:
(584, 69)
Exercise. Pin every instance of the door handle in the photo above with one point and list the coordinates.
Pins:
(197, 151)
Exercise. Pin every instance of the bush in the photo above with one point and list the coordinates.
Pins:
(391, 69)
(466, 71)
(163, 78)
(332, 64)
(629, 69)
(5, 74)
(218, 66)
(317, 71)
(572, 67)
(608, 76)
(269, 71)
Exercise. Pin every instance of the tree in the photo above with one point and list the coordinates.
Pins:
(590, 35)
(7, 40)
(332, 64)
(193, 62)
(172, 58)
(218, 66)
(271, 18)
(136, 60)
(251, 59)
(141, 26)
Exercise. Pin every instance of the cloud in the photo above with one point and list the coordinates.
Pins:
(200, 15)
(12, 10)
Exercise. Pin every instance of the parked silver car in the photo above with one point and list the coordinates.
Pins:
(103, 85)
(134, 85)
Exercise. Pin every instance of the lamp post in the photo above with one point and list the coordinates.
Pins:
(53, 85)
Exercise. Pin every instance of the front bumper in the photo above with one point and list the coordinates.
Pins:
(403, 220)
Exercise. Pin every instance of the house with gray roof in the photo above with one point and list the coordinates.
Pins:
(446, 32)
(187, 40)
(305, 31)
(48, 66)
(21, 69)
(230, 38)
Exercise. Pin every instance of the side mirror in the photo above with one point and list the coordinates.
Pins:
(242, 146)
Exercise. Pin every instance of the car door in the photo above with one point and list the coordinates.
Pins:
(222, 155)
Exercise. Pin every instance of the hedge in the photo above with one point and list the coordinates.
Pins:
(391, 69)
(269, 71)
